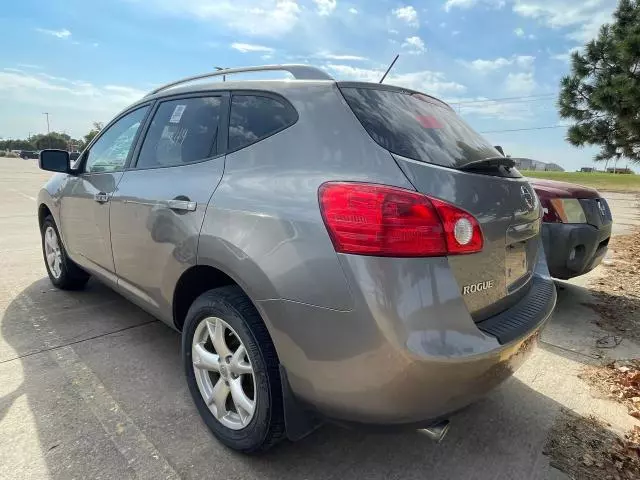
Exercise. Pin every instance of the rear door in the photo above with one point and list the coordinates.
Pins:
(434, 147)
(159, 206)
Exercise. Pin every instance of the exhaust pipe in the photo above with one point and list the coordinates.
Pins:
(436, 432)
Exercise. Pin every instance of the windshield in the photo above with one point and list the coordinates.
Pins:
(417, 126)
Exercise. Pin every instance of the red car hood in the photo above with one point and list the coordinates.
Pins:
(554, 189)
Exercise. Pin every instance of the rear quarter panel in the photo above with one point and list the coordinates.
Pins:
(263, 224)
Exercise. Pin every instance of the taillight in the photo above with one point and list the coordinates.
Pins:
(562, 210)
(370, 219)
(549, 212)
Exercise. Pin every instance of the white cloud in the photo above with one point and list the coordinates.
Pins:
(414, 45)
(455, 33)
(353, 11)
(393, 31)
(481, 107)
(519, 32)
(433, 83)
(63, 33)
(249, 47)
(585, 17)
(74, 104)
(407, 14)
(449, 4)
(486, 66)
(521, 83)
(30, 65)
(443, 24)
(333, 56)
(325, 7)
(268, 18)
(566, 56)
(582, 17)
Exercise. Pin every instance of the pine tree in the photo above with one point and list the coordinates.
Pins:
(602, 93)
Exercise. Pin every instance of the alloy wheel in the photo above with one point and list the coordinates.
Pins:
(224, 373)
(52, 252)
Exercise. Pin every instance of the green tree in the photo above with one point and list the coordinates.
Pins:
(16, 145)
(51, 140)
(97, 126)
(602, 93)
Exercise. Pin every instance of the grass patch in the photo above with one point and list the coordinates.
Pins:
(613, 182)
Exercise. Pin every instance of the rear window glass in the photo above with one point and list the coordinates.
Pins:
(254, 118)
(417, 127)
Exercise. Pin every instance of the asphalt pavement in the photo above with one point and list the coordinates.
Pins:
(92, 387)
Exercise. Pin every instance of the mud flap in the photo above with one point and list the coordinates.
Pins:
(298, 421)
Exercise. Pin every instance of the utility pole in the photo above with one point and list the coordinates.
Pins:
(47, 115)
(224, 77)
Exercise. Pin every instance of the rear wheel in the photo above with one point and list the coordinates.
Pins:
(232, 370)
(63, 272)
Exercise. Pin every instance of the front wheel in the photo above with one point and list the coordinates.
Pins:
(63, 272)
(232, 370)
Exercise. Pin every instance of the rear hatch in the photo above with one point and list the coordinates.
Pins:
(446, 159)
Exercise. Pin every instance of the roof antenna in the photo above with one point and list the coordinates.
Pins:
(389, 69)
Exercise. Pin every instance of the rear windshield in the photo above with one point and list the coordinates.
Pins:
(417, 126)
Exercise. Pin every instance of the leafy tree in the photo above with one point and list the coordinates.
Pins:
(16, 145)
(602, 93)
(97, 126)
(51, 140)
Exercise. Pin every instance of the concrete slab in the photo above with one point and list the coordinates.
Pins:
(92, 387)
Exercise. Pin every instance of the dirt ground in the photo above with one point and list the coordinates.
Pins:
(617, 289)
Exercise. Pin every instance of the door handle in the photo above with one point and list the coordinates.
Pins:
(182, 204)
(101, 197)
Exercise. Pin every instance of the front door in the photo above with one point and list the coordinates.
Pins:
(159, 206)
(84, 208)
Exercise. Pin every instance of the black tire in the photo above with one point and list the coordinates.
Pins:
(72, 277)
(266, 428)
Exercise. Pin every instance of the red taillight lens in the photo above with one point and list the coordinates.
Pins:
(369, 219)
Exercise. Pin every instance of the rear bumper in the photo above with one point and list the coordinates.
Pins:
(588, 244)
(408, 353)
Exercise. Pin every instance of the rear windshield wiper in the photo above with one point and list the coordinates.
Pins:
(490, 162)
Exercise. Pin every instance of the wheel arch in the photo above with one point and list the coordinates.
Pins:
(198, 279)
(43, 212)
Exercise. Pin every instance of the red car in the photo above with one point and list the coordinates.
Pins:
(576, 227)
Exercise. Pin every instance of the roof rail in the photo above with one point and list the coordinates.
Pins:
(299, 72)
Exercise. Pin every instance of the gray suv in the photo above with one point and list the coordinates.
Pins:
(339, 251)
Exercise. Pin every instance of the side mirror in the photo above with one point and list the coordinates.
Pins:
(54, 161)
(499, 148)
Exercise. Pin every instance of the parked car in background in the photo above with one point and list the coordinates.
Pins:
(29, 154)
(576, 227)
(341, 250)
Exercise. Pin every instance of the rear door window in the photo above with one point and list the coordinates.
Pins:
(182, 131)
(416, 126)
(254, 117)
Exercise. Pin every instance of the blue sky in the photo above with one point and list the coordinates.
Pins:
(84, 61)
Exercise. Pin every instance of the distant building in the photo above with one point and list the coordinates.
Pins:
(530, 164)
(553, 167)
(587, 169)
(627, 171)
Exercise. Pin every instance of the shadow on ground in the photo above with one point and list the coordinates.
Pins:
(137, 360)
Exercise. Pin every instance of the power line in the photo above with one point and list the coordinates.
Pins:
(506, 99)
(525, 129)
